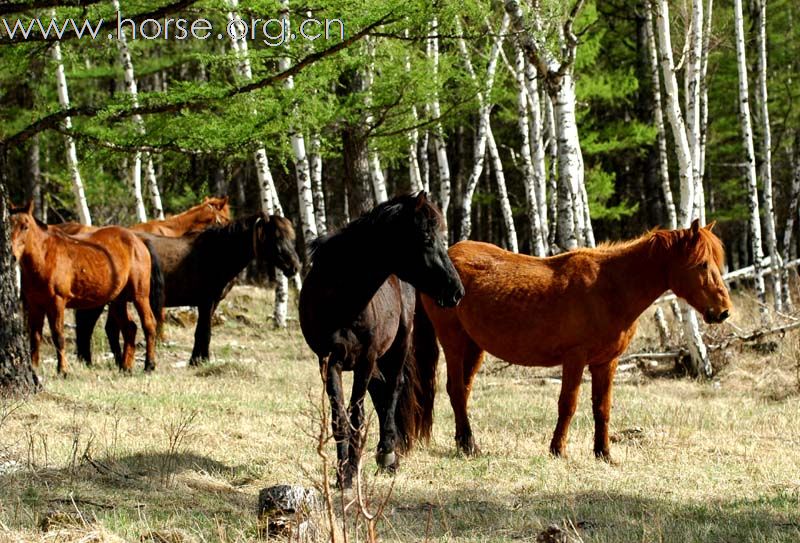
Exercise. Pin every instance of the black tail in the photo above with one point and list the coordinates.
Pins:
(156, 285)
(414, 415)
(85, 320)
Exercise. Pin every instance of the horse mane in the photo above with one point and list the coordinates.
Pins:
(706, 246)
(19, 210)
(228, 232)
(380, 215)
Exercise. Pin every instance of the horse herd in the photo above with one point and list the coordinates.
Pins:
(380, 296)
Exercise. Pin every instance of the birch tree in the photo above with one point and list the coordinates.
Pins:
(761, 97)
(268, 195)
(375, 170)
(305, 198)
(484, 111)
(556, 74)
(136, 172)
(315, 166)
(439, 145)
(413, 137)
(502, 192)
(793, 210)
(551, 146)
(535, 139)
(750, 162)
(72, 153)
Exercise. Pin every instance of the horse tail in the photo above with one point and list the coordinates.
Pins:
(414, 415)
(157, 297)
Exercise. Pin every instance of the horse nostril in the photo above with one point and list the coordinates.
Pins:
(724, 315)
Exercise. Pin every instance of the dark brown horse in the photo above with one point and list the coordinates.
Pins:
(211, 211)
(199, 268)
(576, 309)
(356, 313)
(60, 271)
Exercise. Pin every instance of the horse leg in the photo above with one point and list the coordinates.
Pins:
(382, 395)
(35, 325)
(112, 334)
(567, 403)
(55, 316)
(142, 305)
(202, 333)
(118, 310)
(85, 321)
(602, 379)
(332, 375)
(361, 377)
(463, 360)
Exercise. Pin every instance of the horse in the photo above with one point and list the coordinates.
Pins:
(199, 268)
(356, 311)
(575, 309)
(210, 211)
(107, 265)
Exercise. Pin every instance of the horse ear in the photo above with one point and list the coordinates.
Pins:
(224, 201)
(29, 208)
(422, 197)
(695, 228)
(710, 226)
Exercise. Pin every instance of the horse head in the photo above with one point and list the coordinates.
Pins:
(694, 273)
(274, 239)
(219, 208)
(418, 252)
(22, 224)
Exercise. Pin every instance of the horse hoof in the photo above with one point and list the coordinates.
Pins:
(605, 456)
(386, 459)
(558, 452)
(149, 368)
(467, 447)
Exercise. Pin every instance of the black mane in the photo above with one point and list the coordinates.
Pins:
(229, 233)
(380, 215)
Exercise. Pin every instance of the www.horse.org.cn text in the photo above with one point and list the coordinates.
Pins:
(272, 32)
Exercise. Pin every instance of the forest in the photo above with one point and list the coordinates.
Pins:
(539, 126)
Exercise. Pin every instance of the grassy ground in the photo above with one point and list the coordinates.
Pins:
(182, 454)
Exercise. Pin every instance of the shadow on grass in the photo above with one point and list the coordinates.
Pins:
(595, 517)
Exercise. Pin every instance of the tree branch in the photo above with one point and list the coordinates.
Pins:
(198, 104)
(19, 7)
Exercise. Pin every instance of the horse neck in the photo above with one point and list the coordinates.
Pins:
(231, 246)
(34, 256)
(183, 221)
(354, 271)
(641, 271)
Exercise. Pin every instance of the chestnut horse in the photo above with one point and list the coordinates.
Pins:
(87, 270)
(199, 269)
(211, 211)
(575, 309)
(356, 312)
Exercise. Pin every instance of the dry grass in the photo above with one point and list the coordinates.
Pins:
(106, 456)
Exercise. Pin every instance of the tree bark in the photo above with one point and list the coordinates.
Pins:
(443, 166)
(315, 165)
(72, 154)
(16, 374)
(750, 163)
(502, 192)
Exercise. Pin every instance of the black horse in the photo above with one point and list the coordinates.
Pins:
(357, 313)
(198, 271)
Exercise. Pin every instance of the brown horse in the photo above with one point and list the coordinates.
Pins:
(60, 271)
(211, 211)
(576, 309)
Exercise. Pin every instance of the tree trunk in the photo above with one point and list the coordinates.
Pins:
(375, 171)
(414, 174)
(536, 141)
(766, 153)
(793, 210)
(502, 193)
(35, 179)
(692, 83)
(658, 118)
(484, 110)
(315, 165)
(72, 153)
(529, 173)
(16, 374)
(750, 169)
(305, 198)
(554, 200)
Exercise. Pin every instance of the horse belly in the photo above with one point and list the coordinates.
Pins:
(91, 288)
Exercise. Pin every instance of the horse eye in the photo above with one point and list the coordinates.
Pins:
(704, 266)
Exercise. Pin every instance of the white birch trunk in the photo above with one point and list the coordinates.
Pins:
(136, 174)
(424, 163)
(528, 173)
(536, 141)
(692, 83)
(439, 145)
(554, 200)
(35, 173)
(305, 197)
(502, 192)
(484, 111)
(682, 147)
(570, 164)
(658, 117)
(315, 164)
(72, 153)
(766, 156)
(413, 139)
(787, 232)
(268, 195)
(747, 141)
(375, 170)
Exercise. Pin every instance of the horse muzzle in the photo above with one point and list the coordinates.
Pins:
(712, 317)
(451, 299)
